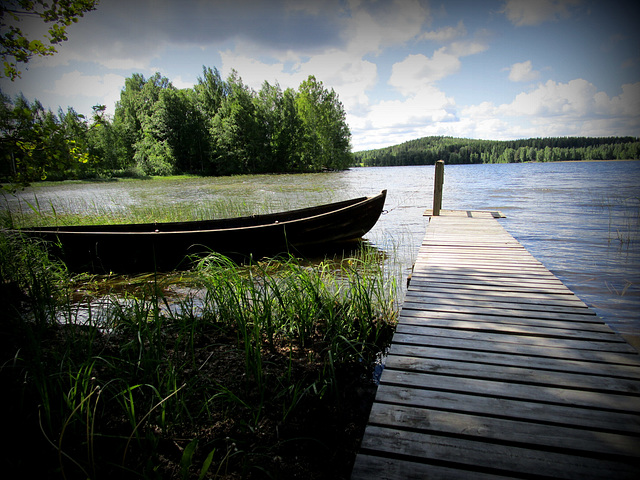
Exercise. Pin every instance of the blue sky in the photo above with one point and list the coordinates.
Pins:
(403, 69)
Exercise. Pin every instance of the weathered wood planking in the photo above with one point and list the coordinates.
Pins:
(497, 370)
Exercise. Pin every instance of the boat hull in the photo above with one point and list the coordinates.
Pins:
(169, 246)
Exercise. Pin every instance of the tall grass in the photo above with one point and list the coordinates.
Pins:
(217, 200)
(623, 218)
(136, 390)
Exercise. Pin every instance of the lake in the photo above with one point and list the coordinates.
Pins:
(580, 219)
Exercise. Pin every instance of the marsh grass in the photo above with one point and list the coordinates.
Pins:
(153, 200)
(248, 374)
(77, 211)
(623, 218)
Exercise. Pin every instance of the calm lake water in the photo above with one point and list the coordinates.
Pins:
(580, 219)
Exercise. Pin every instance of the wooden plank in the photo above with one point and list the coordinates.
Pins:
(428, 318)
(515, 341)
(627, 357)
(479, 256)
(497, 457)
(371, 467)
(418, 280)
(516, 432)
(532, 411)
(524, 361)
(531, 297)
(504, 267)
(533, 375)
(420, 298)
(466, 213)
(435, 253)
(495, 309)
(497, 369)
(513, 329)
(501, 389)
(476, 270)
(496, 277)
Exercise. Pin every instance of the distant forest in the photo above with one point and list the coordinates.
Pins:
(428, 150)
(218, 127)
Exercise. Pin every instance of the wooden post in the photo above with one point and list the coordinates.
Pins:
(438, 181)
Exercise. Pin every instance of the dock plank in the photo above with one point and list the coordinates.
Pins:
(497, 370)
(496, 457)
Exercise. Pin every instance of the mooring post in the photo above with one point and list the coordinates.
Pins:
(438, 181)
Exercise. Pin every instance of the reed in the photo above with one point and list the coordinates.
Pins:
(623, 218)
(144, 202)
(248, 350)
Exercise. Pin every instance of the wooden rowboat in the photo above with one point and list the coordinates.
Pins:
(164, 246)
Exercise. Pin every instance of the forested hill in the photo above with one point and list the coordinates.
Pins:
(427, 150)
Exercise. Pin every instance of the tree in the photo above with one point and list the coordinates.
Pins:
(326, 136)
(105, 144)
(16, 47)
(238, 132)
(282, 126)
(211, 91)
(36, 144)
(140, 119)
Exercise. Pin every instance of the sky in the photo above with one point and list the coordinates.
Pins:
(403, 69)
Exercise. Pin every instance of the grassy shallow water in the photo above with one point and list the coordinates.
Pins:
(162, 199)
(259, 371)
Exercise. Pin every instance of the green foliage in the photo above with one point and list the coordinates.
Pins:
(326, 136)
(216, 128)
(16, 47)
(36, 144)
(427, 150)
(116, 391)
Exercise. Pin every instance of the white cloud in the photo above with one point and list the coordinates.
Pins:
(556, 109)
(253, 71)
(627, 104)
(550, 110)
(375, 25)
(394, 121)
(427, 106)
(416, 71)
(76, 84)
(575, 99)
(523, 72)
(445, 34)
(530, 13)
(180, 83)
(466, 48)
(349, 76)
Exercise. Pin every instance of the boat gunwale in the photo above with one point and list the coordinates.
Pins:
(270, 220)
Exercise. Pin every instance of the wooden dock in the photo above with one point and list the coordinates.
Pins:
(497, 370)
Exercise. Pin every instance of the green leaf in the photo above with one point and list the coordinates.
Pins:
(206, 465)
(187, 458)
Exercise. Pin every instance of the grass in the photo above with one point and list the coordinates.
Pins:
(158, 199)
(623, 218)
(78, 211)
(257, 372)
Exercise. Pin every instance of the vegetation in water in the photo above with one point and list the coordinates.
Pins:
(156, 200)
(624, 218)
(262, 371)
